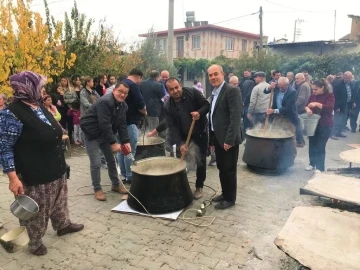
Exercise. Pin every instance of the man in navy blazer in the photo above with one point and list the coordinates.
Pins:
(284, 104)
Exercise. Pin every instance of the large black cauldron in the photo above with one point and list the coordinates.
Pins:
(160, 184)
(270, 155)
(150, 147)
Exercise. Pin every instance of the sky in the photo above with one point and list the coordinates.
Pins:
(130, 18)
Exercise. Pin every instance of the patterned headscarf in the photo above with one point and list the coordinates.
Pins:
(27, 86)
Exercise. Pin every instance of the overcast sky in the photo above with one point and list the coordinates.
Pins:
(130, 18)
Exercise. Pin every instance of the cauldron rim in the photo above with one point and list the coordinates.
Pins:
(158, 142)
(158, 158)
(272, 138)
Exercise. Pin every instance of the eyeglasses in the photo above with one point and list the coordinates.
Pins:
(122, 92)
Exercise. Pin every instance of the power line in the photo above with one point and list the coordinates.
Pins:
(237, 17)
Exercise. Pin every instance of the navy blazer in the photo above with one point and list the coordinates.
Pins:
(288, 108)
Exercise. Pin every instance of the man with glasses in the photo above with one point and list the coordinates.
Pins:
(102, 121)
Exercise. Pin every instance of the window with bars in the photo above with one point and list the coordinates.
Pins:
(244, 45)
(161, 44)
(229, 44)
(196, 42)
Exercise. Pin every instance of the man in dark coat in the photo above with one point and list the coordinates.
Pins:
(343, 102)
(184, 106)
(102, 121)
(225, 129)
(152, 93)
(354, 112)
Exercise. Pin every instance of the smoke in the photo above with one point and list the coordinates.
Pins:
(279, 127)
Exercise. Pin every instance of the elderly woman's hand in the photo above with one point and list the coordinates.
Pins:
(15, 185)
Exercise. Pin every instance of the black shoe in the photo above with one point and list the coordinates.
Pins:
(353, 131)
(340, 135)
(224, 205)
(128, 181)
(218, 198)
(333, 137)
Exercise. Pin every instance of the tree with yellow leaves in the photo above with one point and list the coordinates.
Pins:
(26, 43)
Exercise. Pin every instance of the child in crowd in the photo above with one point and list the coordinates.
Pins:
(75, 113)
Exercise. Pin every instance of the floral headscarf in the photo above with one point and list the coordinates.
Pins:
(27, 86)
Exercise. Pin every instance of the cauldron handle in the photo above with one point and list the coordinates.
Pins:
(188, 137)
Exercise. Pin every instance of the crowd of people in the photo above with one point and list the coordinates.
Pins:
(335, 98)
(105, 118)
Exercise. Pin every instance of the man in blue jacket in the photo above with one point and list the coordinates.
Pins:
(135, 114)
(284, 107)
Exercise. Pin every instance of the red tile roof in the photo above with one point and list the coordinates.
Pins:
(206, 28)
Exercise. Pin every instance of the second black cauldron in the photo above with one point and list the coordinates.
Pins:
(150, 147)
(270, 153)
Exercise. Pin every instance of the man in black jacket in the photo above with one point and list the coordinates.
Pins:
(246, 90)
(354, 113)
(225, 129)
(152, 93)
(343, 102)
(99, 125)
(184, 105)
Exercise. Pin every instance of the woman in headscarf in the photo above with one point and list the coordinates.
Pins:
(32, 157)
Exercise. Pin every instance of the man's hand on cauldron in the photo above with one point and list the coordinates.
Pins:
(195, 115)
(15, 185)
(227, 146)
(270, 111)
(183, 149)
(116, 147)
(152, 133)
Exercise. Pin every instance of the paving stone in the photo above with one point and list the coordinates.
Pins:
(170, 260)
(149, 264)
(201, 248)
(186, 254)
(206, 260)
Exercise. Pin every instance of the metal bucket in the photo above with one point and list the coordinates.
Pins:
(24, 207)
(309, 123)
(15, 239)
(160, 184)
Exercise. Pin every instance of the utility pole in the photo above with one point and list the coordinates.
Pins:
(334, 25)
(297, 31)
(261, 28)
(171, 34)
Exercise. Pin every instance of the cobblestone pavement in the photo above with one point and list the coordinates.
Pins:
(120, 241)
